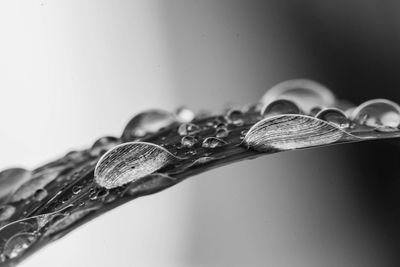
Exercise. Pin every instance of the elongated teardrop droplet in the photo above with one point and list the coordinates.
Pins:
(17, 244)
(213, 142)
(146, 123)
(280, 107)
(305, 93)
(285, 132)
(335, 116)
(11, 179)
(382, 114)
(188, 141)
(129, 162)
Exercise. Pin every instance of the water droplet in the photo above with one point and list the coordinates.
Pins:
(305, 93)
(39, 180)
(221, 132)
(67, 221)
(129, 162)
(280, 107)
(76, 189)
(92, 194)
(76, 156)
(335, 116)
(40, 194)
(188, 129)
(235, 116)
(378, 113)
(285, 132)
(6, 211)
(147, 123)
(16, 245)
(103, 144)
(188, 141)
(184, 115)
(10, 180)
(213, 142)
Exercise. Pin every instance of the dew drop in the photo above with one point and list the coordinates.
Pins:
(6, 211)
(305, 93)
(103, 144)
(76, 189)
(221, 133)
(334, 116)
(11, 179)
(147, 122)
(378, 113)
(188, 129)
(184, 115)
(280, 107)
(213, 142)
(129, 162)
(188, 141)
(235, 116)
(17, 244)
(40, 194)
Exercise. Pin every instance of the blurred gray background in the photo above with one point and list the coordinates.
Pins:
(73, 71)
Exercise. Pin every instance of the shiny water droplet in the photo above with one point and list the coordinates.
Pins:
(16, 245)
(10, 180)
(221, 133)
(40, 194)
(213, 142)
(305, 93)
(67, 221)
(129, 162)
(103, 144)
(188, 141)
(184, 115)
(378, 113)
(285, 132)
(334, 116)
(188, 129)
(6, 211)
(235, 116)
(280, 107)
(76, 189)
(145, 123)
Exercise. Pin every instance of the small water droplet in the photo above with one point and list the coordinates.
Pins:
(184, 114)
(76, 189)
(305, 93)
(92, 194)
(103, 144)
(280, 107)
(378, 113)
(188, 129)
(334, 116)
(188, 141)
(221, 133)
(213, 142)
(17, 244)
(145, 123)
(235, 116)
(40, 194)
(6, 211)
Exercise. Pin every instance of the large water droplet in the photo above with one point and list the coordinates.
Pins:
(67, 221)
(334, 116)
(16, 245)
(188, 141)
(305, 93)
(6, 211)
(285, 132)
(221, 132)
(10, 180)
(378, 113)
(103, 144)
(184, 115)
(188, 129)
(129, 162)
(147, 123)
(213, 142)
(280, 107)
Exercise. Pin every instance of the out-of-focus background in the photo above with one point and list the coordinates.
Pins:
(73, 71)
